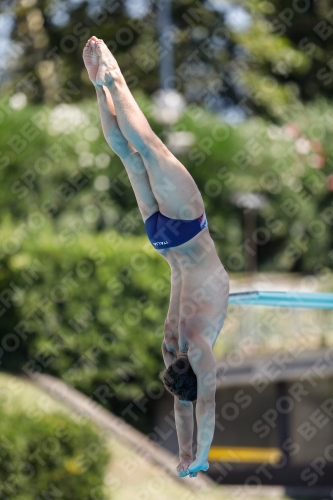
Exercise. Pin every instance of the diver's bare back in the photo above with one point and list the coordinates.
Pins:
(199, 292)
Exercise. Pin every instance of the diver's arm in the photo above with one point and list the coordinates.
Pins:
(203, 362)
(183, 414)
(205, 414)
(184, 422)
(184, 426)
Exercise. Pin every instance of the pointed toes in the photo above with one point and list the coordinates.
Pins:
(99, 47)
(93, 47)
(87, 50)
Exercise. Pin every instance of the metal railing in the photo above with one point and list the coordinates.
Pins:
(280, 321)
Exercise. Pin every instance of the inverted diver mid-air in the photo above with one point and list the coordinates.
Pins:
(176, 225)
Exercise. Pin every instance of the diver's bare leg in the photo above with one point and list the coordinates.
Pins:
(176, 192)
(119, 144)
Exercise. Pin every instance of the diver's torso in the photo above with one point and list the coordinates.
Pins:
(199, 291)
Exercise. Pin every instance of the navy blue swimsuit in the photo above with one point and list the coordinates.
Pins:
(164, 232)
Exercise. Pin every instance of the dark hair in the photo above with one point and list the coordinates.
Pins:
(180, 380)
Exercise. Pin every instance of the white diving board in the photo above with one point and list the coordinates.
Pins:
(283, 299)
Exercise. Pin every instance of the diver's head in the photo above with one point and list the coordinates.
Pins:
(180, 380)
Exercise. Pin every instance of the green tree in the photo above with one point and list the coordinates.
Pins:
(51, 455)
(309, 27)
(216, 61)
(73, 180)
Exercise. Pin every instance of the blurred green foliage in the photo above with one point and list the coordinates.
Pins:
(88, 305)
(51, 456)
(58, 168)
(261, 58)
(83, 293)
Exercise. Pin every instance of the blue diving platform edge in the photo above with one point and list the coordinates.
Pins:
(315, 300)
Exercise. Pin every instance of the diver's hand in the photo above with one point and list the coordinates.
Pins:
(196, 466)
(183, 466)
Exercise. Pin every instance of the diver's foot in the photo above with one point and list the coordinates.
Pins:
(91, 59)
(108, 67)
